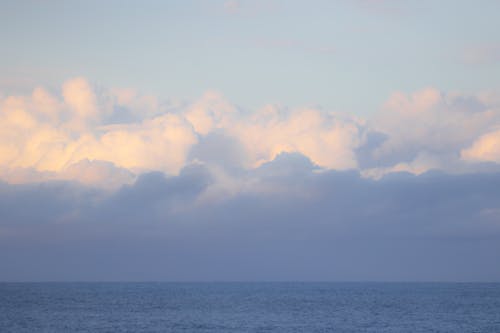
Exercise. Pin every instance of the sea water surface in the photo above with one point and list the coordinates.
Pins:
(249, 307)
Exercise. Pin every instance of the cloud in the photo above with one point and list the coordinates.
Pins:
(80, 97)
(208, 190)
(485, 148)
(160, 143)
(211, 112)
(326, 139)
(45, 103)
(47, 136)
(219, 149)
(98, 173)
(50, 135)
(428, 128)
(326, 225)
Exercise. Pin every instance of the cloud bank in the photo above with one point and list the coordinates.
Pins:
(289, 223)
(110, 184)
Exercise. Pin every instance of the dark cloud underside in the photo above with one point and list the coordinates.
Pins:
(311, 226)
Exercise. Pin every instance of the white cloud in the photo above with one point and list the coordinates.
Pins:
(80, 97)
(50, 134)
(97, 172)
(485, 149)
(429, 123)
(211, 112)
(326, 139)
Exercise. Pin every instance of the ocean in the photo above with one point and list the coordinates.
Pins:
(249, 307)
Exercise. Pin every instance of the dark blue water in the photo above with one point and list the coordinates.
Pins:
(249, 307)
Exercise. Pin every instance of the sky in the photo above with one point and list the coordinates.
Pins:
(250, 140)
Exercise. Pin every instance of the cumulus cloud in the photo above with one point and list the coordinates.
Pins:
(211, 112)
(325, 138)
(51, 135)
(426, 130)
(80, 97)
(485, 148)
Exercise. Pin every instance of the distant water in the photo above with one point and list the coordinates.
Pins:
(249, 307)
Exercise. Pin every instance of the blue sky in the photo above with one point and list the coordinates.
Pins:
(346, 56)
(250, 140)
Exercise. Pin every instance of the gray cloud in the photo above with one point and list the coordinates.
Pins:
(302, 223)
(220, 149)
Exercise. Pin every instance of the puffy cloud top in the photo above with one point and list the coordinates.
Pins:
(50, 136)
